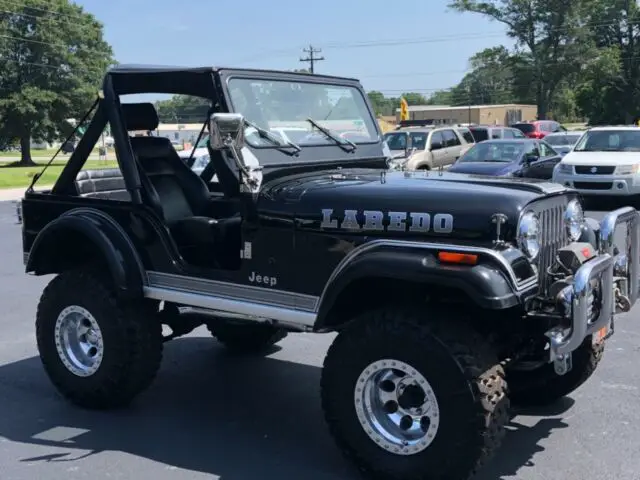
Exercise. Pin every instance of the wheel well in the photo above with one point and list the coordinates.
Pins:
(423, 167)
(374, 292)
(70, 250)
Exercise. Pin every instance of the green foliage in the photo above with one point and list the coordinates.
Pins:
(387, 105)
(53, 57)
(182, 109)
(551, 33)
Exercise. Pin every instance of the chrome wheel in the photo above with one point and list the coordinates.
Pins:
(397, 407)
(79, 341)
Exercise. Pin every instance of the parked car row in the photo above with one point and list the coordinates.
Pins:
(602, 161)
(519, 150)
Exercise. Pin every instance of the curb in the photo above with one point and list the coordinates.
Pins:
(15, 194)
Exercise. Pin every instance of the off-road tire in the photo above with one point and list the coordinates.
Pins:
(460, 365)
(542, 386)
(246, 338)
(132, 341)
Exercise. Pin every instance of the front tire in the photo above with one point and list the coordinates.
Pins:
(401, 392)
(542, 386)
(98, 351)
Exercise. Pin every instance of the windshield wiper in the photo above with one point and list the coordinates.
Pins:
(267, 135)
(343, 143)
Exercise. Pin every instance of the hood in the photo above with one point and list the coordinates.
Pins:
(601, 158)
(484, 168)
(470, 200)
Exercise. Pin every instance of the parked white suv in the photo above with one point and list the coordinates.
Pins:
(605, 161)
(426, 148)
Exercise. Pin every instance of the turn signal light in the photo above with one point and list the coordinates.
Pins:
(459, 258)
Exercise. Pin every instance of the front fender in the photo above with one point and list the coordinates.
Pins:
(485, 283)
(53, 248)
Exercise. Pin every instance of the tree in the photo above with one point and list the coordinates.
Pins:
(379, 102)
(492, 78)
(52, 58)
(552, 32)
(414, 98)
(615, 70)
(440, 97)
(182, 109)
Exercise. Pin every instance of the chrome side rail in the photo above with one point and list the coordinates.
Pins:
(631, 217)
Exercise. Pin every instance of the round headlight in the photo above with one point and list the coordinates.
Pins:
(573, 220)
(529, 235)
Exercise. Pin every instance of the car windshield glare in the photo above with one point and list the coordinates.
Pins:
(609, 141)
(398, 140)
(561, 140)
(284, 108)
(494, 152)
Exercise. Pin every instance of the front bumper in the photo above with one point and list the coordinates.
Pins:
(609, 185)
(604, 267)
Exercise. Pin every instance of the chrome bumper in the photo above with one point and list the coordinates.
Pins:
(583, 324)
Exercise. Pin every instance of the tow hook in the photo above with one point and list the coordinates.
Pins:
(623, 304)
(563, 364)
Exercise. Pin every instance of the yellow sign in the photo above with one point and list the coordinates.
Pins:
(404, 109)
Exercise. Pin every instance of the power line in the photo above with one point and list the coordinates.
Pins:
(311, 59)
(415, 40)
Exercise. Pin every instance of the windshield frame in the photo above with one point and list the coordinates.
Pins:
(376, 134)
(579, 146)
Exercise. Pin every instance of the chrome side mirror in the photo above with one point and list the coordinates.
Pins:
(226, 130)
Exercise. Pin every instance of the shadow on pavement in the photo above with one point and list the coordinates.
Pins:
(215, 413)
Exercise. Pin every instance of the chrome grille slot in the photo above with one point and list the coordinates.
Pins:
(554, 236)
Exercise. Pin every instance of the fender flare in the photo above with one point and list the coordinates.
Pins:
(486, 283)
(113, 243)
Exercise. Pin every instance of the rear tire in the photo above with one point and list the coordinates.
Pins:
(542, 386)
(247, 338)
(449, 367)
(117, 356)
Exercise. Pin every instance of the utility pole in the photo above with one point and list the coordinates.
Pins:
(311, 59)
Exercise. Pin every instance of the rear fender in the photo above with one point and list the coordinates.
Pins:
(489, 283)
(54, 248)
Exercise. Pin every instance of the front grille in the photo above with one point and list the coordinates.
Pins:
(599, 170)
(593, 185)
(554, 235)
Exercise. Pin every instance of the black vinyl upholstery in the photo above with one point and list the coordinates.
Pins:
(106, 183)
(180, 196)
(140, 116)
(180, 192)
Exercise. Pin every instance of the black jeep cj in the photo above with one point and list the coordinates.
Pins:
(442, 287)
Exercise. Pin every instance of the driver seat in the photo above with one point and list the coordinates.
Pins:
(179, 196)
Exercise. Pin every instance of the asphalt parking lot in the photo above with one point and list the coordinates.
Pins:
(211, 415)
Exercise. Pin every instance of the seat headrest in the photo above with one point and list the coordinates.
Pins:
(140, 116)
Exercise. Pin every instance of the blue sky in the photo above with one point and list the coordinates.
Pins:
(429, 49)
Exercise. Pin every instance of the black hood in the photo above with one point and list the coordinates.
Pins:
(470, 199)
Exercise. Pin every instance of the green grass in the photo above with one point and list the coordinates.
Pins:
(19, 177)
(48, 153)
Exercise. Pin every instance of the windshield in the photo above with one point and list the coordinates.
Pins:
(609, 141)
(398, 140)
(480, 134)
(525, 127)
(283, 107)
(495, 152)
(562, 140)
